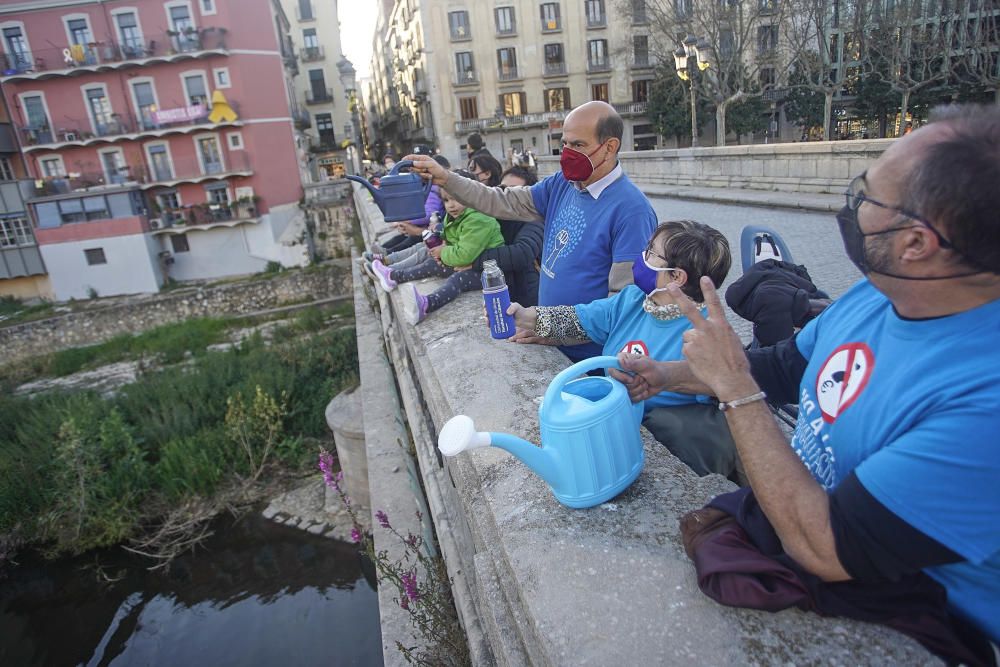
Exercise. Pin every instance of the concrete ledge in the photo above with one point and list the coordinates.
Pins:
(547, 585)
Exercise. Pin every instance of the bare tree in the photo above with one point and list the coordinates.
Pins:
(822, 39)
(978, 40)
(911, 45)
(739, 40)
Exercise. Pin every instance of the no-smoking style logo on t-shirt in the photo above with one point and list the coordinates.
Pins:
(635, 347)
(842, 378)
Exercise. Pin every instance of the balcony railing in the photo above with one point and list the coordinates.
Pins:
(508, 74)
(311, 54)
(190, 171)
(597, 21)
(110, 54)
(319, 96)
(508, 122)
(640, 60)
(206, 214)
(551, 25)
(599, 65)
(554, 69)
(301, 118)
(466, 78)
(81, 131)
(630, 108)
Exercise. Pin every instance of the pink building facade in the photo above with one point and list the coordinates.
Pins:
(160, 136)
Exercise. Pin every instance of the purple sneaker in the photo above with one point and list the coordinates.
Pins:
(414, 305)
(384, 275)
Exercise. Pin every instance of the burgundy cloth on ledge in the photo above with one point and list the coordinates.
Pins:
(741, 563)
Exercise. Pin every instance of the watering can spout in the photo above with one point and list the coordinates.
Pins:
(375, 193)
(459, 434)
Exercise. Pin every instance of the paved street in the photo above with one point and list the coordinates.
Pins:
(812, 238)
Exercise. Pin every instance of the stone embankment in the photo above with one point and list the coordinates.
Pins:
(536, 583)
(320, 283)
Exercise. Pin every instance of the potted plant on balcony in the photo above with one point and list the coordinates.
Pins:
(246, 207)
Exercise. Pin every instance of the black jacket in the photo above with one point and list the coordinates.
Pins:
(774, 295)
(518, 259)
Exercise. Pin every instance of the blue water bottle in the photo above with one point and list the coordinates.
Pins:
(497, 300)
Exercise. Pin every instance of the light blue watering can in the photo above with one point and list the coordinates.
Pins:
(591, 448)
(400, 197)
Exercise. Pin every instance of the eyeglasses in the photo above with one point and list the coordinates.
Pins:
(652, 253)
(856, 196)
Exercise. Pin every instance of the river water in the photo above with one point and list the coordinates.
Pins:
(257, 593)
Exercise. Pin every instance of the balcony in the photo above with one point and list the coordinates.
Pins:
(324, 96)
(78, 132)
(508, 122)
(599, 65)
(109, 55)
(641, 61)
(205, 216)
(301, 118)
(554, 69)
(466, 78)
(509, 74)
(312, 54)
(143, 177)
(551, 24)
(599, 21)
(630, 108)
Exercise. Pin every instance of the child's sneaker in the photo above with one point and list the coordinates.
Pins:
(414, 305)
(366, 266)
(370, 256)
(384, 275)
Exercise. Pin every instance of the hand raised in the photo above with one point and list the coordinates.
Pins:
(428, 169)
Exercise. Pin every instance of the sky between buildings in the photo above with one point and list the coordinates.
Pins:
(357, 29)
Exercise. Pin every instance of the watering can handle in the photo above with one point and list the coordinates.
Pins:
(579, 368)
(399, 166)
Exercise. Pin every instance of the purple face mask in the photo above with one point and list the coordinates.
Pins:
(645, 276)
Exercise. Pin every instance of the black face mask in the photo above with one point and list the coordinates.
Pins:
(854, 246)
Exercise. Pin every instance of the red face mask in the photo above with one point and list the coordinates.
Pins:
(576, 166)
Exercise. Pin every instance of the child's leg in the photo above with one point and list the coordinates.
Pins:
(408, 258)
(425, 269)
(458, 282)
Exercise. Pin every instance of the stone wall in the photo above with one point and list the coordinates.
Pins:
(821, 166)
(331, 213)
(536, 583)
(142, 313)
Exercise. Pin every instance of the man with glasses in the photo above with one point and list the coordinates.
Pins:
(894, 466)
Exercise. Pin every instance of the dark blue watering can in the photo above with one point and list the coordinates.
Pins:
(591, 447)
(400, 197)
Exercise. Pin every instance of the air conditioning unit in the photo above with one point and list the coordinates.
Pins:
(156, 223)
(70, 135)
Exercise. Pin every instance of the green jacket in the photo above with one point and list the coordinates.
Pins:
(467, 236)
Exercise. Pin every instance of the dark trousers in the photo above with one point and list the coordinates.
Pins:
(699, 436)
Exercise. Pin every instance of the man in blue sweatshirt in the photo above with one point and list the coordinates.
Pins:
(596, 220)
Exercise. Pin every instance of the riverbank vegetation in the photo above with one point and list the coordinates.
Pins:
(149, 465)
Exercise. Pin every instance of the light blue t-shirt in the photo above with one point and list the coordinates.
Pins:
(583, 238)
(914, 407)
(619, 323)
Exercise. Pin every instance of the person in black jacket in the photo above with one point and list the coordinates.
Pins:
(518, 258)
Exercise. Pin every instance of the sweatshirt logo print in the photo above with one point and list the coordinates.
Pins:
(567, 231)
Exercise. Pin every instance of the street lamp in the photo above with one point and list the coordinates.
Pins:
(692, 53)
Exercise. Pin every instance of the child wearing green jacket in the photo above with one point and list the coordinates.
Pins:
(467, 233)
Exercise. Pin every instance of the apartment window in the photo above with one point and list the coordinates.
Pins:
(159, 162)
(767, 39)
(599, 92)
(113, 162)
(468, 107)
(183, 24)
(767, 77)
(639, 15)
(17, 48)
(145, 102)
(682, 8)
(179, 243)
(207, 7)
(507, 64)
(458, 24)
(235, 141)
(768, 6)
(217, 193)
(464, 67)
(52, 167)
(196, 89)
(222, 79)
(210, 155)
(324, 126)
(100, 110)
(317, 85)
(6, 169)
(95, 256)
(595, 13)
(38, 120)
(597, 54)
(305, 10)
(505, 20)
(129, 34)
(550, 17)
(310, 40)
(514, 104)
(554, 63)
(727, 44)
(640, 91)
(557, 99)
(169, 201)
(640, 50)
(15, 231)
(79, 32)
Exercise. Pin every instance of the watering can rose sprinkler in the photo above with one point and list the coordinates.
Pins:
(591, 448)
(400, 197)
